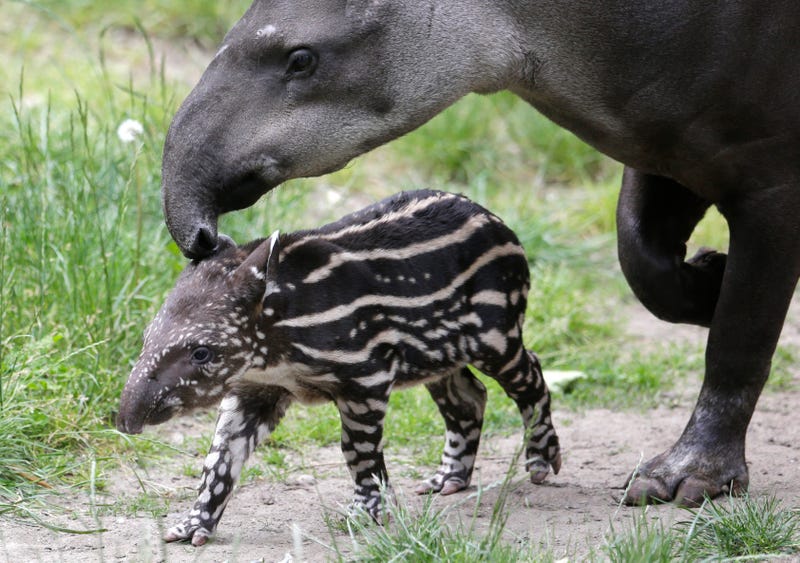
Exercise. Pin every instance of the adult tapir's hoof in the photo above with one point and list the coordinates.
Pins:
(669, 477)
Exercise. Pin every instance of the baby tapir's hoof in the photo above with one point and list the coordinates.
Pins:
(189, 529)
(372, 503)
(442, 484)
(539, 469)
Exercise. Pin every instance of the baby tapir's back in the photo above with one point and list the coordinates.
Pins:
(420, 283)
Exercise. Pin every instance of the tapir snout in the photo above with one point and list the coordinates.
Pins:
(299, 89)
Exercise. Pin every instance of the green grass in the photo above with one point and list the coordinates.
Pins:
(729, 529)
(748, 529)
(642, 540)
(433, 534)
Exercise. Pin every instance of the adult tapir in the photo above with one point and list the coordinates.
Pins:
(700, 101)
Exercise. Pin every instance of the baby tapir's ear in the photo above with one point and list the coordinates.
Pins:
(257, 275)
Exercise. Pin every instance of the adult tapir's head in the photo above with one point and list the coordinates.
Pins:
(300, 87)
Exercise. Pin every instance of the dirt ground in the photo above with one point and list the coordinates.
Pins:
(571, 513)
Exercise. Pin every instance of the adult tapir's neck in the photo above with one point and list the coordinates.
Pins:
(299, 88)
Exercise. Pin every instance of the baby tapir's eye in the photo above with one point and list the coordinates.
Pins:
(202, 355)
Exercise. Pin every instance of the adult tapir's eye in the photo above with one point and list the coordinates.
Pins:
(301, 62)
(202, 355)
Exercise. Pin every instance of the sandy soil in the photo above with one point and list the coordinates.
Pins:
(571, 513)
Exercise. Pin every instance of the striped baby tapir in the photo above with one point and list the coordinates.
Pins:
(408, 291)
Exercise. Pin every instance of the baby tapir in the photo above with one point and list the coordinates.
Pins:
(407, 291)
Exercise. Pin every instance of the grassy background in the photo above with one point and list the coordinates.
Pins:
(85, 259)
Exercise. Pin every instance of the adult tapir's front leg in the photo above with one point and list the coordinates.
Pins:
(246, 416)
(655, 218)
(761, 273)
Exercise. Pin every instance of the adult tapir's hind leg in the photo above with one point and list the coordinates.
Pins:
(760, 276)
(461, 399)
(655, 218)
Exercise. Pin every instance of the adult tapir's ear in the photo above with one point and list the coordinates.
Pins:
(257, 275)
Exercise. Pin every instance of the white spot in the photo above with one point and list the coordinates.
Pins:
(364, 447)
(495, 339)
(362, 465)
(266, 31)
(229, 403)
(173, 402)
(212, 459)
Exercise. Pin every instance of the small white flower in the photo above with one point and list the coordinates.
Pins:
(128, 130)
(333, 196)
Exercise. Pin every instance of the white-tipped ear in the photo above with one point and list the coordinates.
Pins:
(274, 250)
(271, 268)
(258, 274)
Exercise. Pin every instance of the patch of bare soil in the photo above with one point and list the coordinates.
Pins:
(571, 513)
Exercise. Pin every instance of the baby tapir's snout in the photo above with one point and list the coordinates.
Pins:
(412, 290)
(178, 370)
(152, 398)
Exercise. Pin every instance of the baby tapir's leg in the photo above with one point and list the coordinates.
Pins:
(362, 446)
(521, 379)
(461, 399)
(246, 417)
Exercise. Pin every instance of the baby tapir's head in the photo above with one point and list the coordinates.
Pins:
(204, 335)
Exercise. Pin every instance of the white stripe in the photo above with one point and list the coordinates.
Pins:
(343, 311)
(489, 297)
(389, 336)
(471, 226)
(412, 207)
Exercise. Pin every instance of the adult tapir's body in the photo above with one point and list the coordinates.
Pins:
(701, 101)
